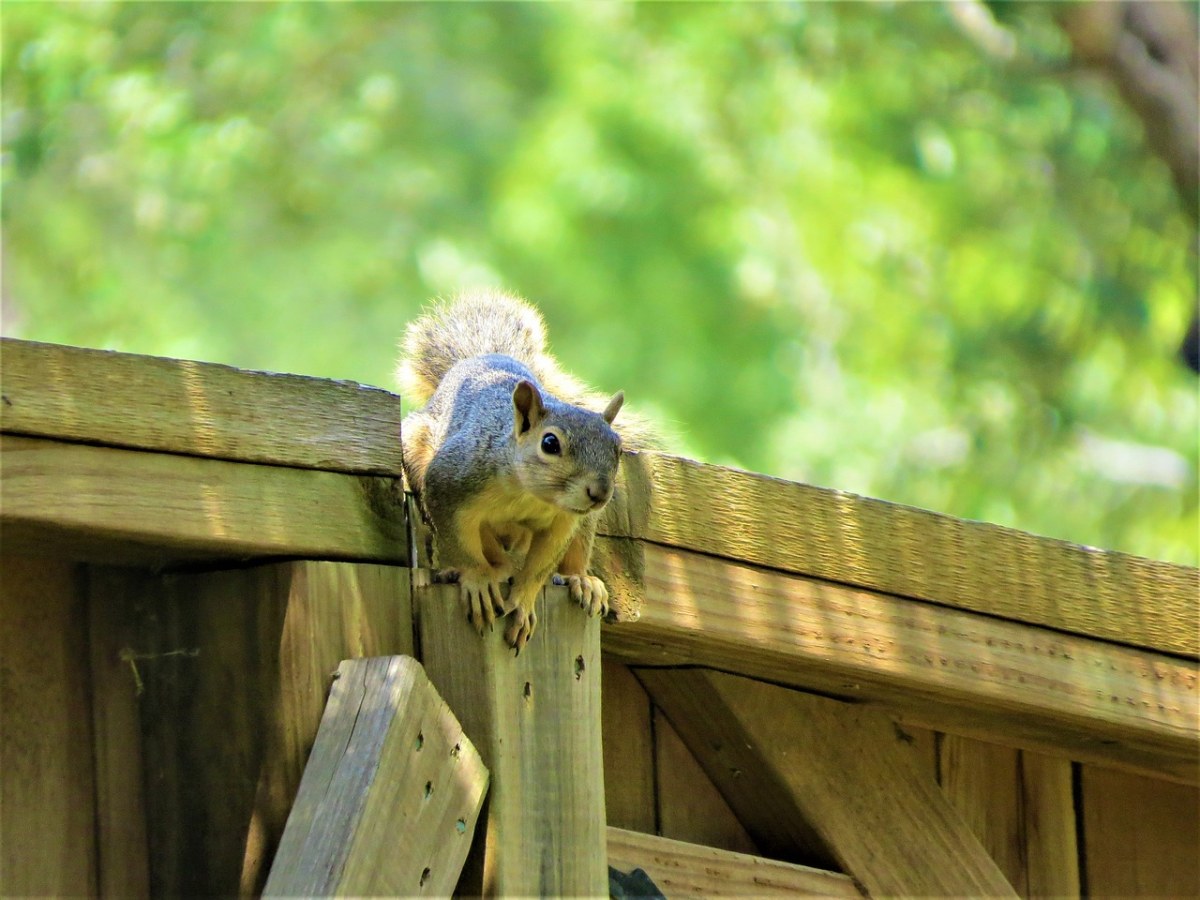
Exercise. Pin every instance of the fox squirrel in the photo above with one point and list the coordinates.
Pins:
(508, 459)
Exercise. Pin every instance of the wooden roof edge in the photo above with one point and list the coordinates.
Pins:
(844, 538)
(216, 411)
(197, 409)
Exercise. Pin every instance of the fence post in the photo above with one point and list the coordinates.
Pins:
(535, 719)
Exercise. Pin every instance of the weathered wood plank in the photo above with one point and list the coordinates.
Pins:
(199, 409)
(680, 869)
(1020, 805)
(391, 793)
(203, 409)
(536, 720)
(785, 759)
(1051, 832)
(110, 505)
(690, 806)
(47, 791)
(1140, 836)
(908, 552)
(924, 742)
(121, 840)
(942, 668)
(236, 666)
(628, 750)
(983, 783)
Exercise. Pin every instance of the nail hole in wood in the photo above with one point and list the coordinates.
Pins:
(579, 667)
(528, 690)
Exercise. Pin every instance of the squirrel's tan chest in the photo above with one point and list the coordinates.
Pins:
(501, 505)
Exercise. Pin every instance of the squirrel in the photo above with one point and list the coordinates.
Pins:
(509, 461)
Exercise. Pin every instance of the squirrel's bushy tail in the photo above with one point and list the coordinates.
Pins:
(497, 322)
(471, 324)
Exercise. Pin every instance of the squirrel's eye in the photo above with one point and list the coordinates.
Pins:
(550, 444)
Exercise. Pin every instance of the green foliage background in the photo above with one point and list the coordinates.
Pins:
(833, 242)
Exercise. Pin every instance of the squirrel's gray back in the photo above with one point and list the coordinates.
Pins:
(476, 394)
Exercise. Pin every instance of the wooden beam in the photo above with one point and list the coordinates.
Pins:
(199, 409)
(1140, 836)
(123, 846)
(908, 552)
(125, 506)
(1051, 826)
(786, 760)
(536, 720)
(1020, 805)
(942, 668)
(628, 742)
(47, 787)
(234, 668)
(390, 795)
(690, 808)
(680, 869)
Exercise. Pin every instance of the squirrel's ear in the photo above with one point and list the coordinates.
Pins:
(528, 408)
(614, 407)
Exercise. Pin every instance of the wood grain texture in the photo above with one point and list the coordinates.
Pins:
(1052, 864)
(113, 597)
(908, 552)
(784, 759)
(1020, 805)
(1140, 836)
(47, 788)
(690, 806)
(536, 721)
(198, 409)
(236, 666)
(109, 505)
(628, 750)
(982, 781)
(942, 668)
(681, 869)
(390, 795)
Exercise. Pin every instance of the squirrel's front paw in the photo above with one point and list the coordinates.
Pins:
(522, 627)
(589, 592)
(481, 597)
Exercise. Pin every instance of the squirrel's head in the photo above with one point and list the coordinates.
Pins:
(565, 455)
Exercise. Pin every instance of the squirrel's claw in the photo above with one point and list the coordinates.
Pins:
(482, 599)
(524, 624)
(590, 593)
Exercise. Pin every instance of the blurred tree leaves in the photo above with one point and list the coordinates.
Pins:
(834, 242)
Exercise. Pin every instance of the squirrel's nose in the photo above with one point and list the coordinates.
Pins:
(599, 492)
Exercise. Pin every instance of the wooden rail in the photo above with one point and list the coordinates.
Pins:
(906, 552)
(944, 668)
(197, 409)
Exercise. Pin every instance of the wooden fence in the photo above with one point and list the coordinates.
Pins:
(807, 691)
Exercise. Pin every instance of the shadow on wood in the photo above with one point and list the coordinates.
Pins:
(681, 869)
(237, 666)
